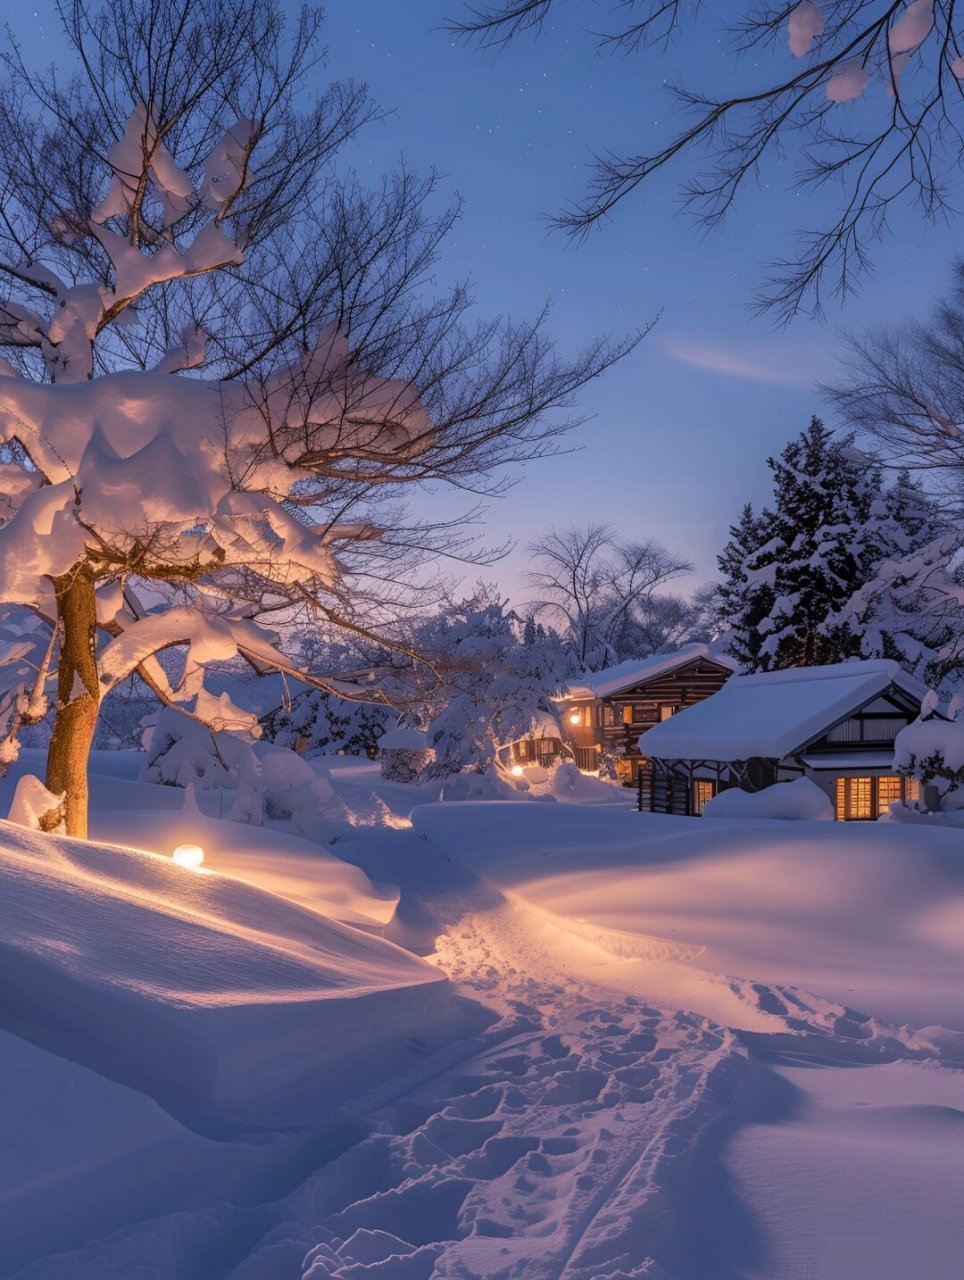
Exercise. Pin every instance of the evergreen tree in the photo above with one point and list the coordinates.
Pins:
(745, 595)
(815, 578)
(824, 492)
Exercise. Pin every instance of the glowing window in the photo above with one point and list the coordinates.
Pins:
(855, 799)
(703, 792)
(627, 715)
(666, 710)
(889, 792)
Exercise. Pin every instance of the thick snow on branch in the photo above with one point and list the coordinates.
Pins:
(226, 169)
(188, 354)
(805, 24)
(847, 82)
(140, 257)
(210, 638)
(139, 145)
(912, 27)
(175, 476)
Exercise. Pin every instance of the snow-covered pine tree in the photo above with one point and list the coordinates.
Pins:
(823, 548)
(838, 568)
(221, 359)
(745, 595)
(911, 608)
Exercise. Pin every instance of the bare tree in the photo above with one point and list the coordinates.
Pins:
(904, 149)
(902, 387)
(223, 359)
(591, 586)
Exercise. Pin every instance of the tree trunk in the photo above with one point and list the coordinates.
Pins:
(78, 700)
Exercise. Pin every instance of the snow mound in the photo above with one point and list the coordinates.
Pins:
(230, 1006)
(699, 913)
(799, 799)
(31, 800)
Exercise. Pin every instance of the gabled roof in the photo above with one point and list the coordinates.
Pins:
(775, 713)
(602, 684)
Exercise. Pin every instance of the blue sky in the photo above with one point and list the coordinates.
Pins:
(681, 430)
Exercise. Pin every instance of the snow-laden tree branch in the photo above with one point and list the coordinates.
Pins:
(223, 359)
(867, 94)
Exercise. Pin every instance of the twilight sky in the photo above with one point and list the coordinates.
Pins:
(681, 429)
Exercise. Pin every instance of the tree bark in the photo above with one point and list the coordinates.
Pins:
(78, 701)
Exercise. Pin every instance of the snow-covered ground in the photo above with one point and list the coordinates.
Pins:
(557, 1041)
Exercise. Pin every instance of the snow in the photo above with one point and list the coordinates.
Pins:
(804, 25)
(640, 1045)
(798, 799)
(31, 800)
(859, 913)
(926, 738)
(912, 27)
(203, 990)
(775, 713)
(602, 684)
(848, 81)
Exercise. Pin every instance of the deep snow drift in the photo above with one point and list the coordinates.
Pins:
(228, 1004)
(643, 1047)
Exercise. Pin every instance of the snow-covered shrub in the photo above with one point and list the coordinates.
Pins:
(404, 753)
(183, 753)
(290, 788)
(31, 803)
(800, 800)
(495, 688)
(932, 751)
(321, 722)
(255, 780)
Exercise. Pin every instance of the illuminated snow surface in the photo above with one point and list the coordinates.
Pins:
(572, 1043)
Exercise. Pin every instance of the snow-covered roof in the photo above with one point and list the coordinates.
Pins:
(774, 713)
(601, 684)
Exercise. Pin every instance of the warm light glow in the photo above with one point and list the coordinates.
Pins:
(396, 822)
(188, 855)
(517, 771)
(575, 718)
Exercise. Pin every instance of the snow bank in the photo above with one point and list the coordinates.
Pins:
(870, 915)
(800, 799)
(227, 1004)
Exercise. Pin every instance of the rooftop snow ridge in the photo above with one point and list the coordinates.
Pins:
(833, 671)
(601, 684)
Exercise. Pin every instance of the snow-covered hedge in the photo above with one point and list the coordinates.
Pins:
(932, 751)
(255, 780)
(404, 754)
(800, 799)
(322, 723)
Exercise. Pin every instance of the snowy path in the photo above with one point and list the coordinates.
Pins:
(587, 1133)
(580, 1137)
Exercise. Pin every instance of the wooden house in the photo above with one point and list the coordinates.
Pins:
(835, 725)
(607, 711)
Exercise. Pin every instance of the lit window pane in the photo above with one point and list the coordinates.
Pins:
(703, 792)
(888, 793)
(855, 799)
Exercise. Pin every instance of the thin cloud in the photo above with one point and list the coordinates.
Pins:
(784, 366)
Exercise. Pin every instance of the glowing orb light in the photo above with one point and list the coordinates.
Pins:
(575, 718)
(188, 855)
(517, 771)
